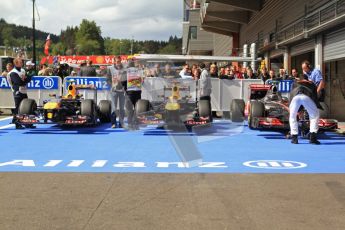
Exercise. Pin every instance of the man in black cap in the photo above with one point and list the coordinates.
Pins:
(304, 93)
(30, 69)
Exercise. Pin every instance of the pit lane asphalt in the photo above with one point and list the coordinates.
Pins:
(171, 201)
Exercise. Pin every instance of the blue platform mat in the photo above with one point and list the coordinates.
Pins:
(224, 147)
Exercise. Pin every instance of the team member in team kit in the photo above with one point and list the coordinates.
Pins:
(19, 81)
(304, 94)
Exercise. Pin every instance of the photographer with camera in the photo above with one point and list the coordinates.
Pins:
(19, 81)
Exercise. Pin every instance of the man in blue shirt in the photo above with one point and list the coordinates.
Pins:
(307, 93)
(315, 76)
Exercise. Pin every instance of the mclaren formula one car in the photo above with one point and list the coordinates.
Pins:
(177, 106)
(69, 110)
(267, 109)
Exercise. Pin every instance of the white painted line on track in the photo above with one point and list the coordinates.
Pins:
(7, 126)
(6, 118)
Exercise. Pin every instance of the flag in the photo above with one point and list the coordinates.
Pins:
(47, 45)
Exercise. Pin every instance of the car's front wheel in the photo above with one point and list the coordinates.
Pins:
(237, 110)
(87, 108)
(104, 111)
(257, 109)
(204, 109)
(27, 107)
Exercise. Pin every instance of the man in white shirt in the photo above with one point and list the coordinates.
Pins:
(205, 84)
(185, 72)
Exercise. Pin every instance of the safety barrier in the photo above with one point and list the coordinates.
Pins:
(223, 91)
(38, 89)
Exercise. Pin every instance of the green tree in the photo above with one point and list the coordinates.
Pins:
(117, 46)
(68, 39)
(84, 40)
(89, 39)
(108, 45)
(168, 49)
(151, 47)
(88, 47)
(7, 36)
(58, 49)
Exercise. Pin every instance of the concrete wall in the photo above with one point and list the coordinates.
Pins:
(275, 12)
(185, 31)
(222, 45)
(335, 99)
(204, 40)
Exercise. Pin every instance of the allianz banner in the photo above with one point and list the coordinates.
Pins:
(99, 82)
(37, 82)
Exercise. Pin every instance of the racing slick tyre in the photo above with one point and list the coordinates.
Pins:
(204, 109)
(142, 106)
(172, 119)
(325, 112)
(237, 110)
(104, 111)
(257, 109)
(87, 108)
(27, 107)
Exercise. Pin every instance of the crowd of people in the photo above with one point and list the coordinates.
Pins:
(229, 72)
(85, 69)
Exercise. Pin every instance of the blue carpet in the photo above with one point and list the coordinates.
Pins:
(224, 147)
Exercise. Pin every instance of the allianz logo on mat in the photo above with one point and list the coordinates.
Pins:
(259, 164)
(105, 163)
(274, 164)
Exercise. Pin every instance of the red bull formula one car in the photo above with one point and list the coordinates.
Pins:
(69, 110)
(177, 107)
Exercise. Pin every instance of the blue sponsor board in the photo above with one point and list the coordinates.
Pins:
(99, 82)
(284, 86)
(37, 82)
